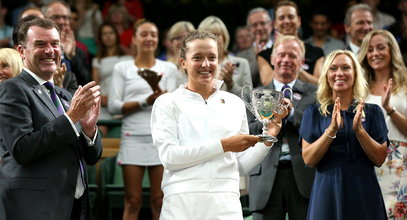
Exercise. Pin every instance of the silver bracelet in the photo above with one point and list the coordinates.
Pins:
(332, 137)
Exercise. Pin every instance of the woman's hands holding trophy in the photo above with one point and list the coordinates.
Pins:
(274, 125)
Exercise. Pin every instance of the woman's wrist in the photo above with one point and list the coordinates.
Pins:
(330, 133)
(392, 110)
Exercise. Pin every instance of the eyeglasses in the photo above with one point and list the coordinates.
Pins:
(179, 38)
(63, 17)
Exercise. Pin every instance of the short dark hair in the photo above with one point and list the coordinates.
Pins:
(286, 3)
(16, 41)
(40, 22)
(194, 35)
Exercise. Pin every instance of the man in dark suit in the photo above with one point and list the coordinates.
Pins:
(49, 135)
(281, 183)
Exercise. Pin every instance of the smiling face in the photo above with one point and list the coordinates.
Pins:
(260, 25)
(287, 20)
(6, 72)
(200, 63)
(60, 15)
(341, 74)
(378, 53)
(146, 38)
(287, 60)
(41, 53)
(361, 23)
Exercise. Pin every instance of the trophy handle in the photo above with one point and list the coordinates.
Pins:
(246, 97)
(291, 94)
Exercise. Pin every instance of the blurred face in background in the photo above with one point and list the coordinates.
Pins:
(287, 20)
(244, 38)
(146, 38)
(176, 41)
(34, 12)
(320, 25)
(108, 36)
(260, 25)
(361, 24)
(60, 15)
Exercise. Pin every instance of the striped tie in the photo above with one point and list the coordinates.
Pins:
(54, 97)
(287, 93)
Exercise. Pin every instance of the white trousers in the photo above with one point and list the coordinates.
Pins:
(202, 206)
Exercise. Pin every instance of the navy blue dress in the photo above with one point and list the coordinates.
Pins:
(345, 185)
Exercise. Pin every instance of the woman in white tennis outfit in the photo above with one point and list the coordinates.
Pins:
(132, 96)
(202, 138)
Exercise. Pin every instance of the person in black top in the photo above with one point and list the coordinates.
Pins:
(287, 22)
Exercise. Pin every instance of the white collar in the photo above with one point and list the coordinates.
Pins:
(279, 85)
(354, 47)
(36, 77)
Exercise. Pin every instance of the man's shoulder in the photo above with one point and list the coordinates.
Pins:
(249, 52)
(306, 87)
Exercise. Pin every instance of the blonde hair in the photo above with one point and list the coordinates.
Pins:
(398, 67)
(12, 58)
(324, 92)
(215, 25)
(283, 38)
(180, 27)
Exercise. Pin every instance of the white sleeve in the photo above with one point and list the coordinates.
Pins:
(173, 156)
(115, 101)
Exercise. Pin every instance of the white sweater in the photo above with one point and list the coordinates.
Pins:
(187, 130)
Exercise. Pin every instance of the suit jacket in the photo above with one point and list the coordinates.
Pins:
(262, 176)
(38, 172)
(251, 57)
(70, 82)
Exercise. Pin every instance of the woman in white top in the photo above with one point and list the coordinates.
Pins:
(386, 74)
(108, 54)
(202, 138)
(234, 71)
(132, 96)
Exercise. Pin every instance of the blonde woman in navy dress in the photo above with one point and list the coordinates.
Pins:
(133, 97)
(344, 139)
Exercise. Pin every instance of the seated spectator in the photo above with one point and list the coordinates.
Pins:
(234, 71)
(90, 18)
(287, 21)
(108, 54)
(118, 16)
(320, 25)
(243, 39)
(10, 66)
(32, 10)
(133, 7)
(176, 33)
(10, 63)
(358, 23)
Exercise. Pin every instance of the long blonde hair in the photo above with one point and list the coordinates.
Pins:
(398, 67)
(12, 58)
(324, 92)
